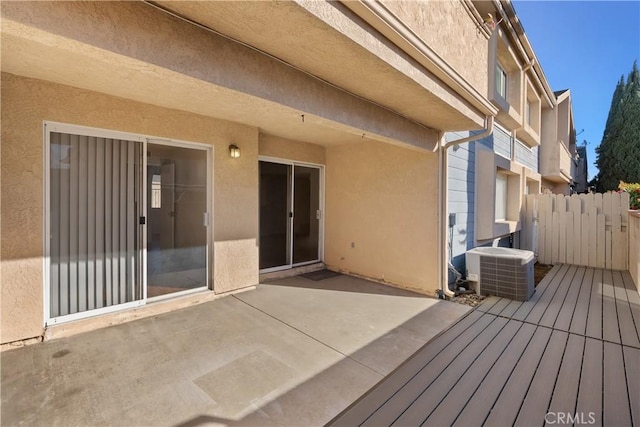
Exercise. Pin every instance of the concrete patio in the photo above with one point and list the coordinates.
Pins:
(292, 352)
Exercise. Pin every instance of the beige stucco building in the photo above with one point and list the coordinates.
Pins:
(156, 154)
(530, 150)
(118, 188)
(559, 159)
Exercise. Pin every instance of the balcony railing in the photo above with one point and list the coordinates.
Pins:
(526, 156)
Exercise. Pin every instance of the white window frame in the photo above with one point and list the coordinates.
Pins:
(501, 196)
(502, 81)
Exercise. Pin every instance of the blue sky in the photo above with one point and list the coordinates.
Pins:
(584, 46)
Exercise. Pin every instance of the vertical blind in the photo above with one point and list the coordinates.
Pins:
(95, 203)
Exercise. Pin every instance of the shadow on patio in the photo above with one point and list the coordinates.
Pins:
(290, 352)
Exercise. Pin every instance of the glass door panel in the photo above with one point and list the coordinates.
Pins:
(95, 246)
(176, 227)
(275, 202)
(306, 219)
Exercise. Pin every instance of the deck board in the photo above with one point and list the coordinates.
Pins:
(579, 320)
(508, 404)
(450, 407)
(488, 303)
(566, 389)
(468, 382)
(542, 293)
(499, 306)
(610, 327)
(552, 309)
(632, 367)
(362, 409)
(573, 348)
(634, 299)
(568, 307)
(590, 391)
(510, 309)
(535, 405)
(555, 291)
(628, 333)
(594, 317)
(441, 371)
(483, 400)
(616, 408)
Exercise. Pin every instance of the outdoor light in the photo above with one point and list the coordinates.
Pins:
(234, 151)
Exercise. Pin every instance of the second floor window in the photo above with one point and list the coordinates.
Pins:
(501, 196)
(501, 81)
(527, 112)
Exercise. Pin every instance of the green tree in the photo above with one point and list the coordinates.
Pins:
(618, 156)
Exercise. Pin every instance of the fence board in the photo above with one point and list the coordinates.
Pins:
(560, 203)
(562, 236)
(576, 209)
(569, 238)
(597, 202)
(586, 229)
(555, 235)
(548, 219)
(607, 207)
(528, 229)
(584, 243)
(624, 208)
(593, 228)
(617, 253)
(542, 229)
(600, 242)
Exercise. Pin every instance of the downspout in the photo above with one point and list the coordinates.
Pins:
(443, 201)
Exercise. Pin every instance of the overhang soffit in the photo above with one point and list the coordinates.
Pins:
(346, 53)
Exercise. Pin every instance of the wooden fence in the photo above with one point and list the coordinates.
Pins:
(586, 229)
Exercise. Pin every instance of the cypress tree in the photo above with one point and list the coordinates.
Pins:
(618, 156)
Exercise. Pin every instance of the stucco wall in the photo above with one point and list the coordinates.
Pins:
(273, 146)
(634, 247)
(382, 219)
(555, 187)
(26, 103)
(448, 28)
(132, 50)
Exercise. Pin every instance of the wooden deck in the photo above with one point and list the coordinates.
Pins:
(574, 349)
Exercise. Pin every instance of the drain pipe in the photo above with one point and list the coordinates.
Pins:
(443, 201)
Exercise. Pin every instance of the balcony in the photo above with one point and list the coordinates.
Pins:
(557, 163)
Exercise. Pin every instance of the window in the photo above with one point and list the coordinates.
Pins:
(501, 196)
(527, 112)
(156, 192)
(501, 81)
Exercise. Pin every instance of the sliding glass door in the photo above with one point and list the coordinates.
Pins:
(127, 220)
(290, 215)
(306, 209)
(95, 234)
(176, 219)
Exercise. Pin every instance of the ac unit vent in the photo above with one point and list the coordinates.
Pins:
(503, 272)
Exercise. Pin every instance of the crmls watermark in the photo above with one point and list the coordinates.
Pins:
(569, 418)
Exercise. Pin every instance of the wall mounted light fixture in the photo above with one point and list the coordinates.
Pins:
(234, 151)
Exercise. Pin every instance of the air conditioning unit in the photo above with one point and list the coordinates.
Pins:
(503, 272)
